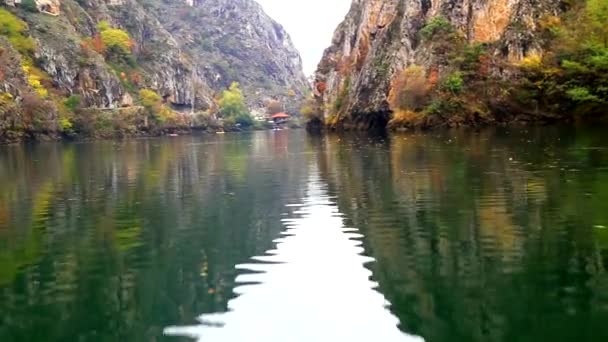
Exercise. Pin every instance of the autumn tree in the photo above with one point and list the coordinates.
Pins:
(274, 107)
(410, 89)
(110, 42)
(154, 105)
(232, 106)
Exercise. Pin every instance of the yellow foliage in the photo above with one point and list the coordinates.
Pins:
(550, 22)
(103, 25)
(114, 38)
(405, 118)
(117, 38)
(65, 124)
(165, 114)
(149, 98)
(5, 97)
(15, 30)
(34, 78)
(409, 89)
(532, 62)
(232, 102)
(154, 104)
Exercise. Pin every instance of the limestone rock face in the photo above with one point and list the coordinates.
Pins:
(186, 50)
(379, 38)
(52, 7)
(235, 41)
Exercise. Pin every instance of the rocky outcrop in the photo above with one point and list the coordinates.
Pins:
(51, 7)
(234, 40)
(381, 38)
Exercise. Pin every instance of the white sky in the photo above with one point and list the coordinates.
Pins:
(310, 23)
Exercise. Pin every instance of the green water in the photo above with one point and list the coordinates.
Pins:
(498, 235)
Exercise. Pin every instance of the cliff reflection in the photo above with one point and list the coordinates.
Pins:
(489, 236)
(116, 240)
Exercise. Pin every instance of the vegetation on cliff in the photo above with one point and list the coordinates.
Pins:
(546, 62)
(232, 107)
(105, 69)
(566, 81)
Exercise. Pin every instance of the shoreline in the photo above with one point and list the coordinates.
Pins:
(46, 138)
(384, 122)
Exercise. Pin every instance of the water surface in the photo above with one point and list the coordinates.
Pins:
(499, 235)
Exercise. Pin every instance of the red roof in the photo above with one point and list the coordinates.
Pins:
(280, 116)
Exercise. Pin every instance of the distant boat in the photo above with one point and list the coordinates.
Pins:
(220, 132)
(174, 135)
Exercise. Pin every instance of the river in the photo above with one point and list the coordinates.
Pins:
(459, 236)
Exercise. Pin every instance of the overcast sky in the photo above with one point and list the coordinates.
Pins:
(310, 23)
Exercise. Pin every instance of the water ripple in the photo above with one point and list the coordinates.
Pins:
(312, 287)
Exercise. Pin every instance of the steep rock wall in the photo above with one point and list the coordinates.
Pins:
(169, 52)
(380, 38)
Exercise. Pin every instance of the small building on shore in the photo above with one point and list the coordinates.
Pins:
(280, 118)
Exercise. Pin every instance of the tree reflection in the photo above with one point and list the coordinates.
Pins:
(116, 240)
(482, 237)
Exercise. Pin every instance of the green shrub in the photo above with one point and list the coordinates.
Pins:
(444, 107)
(582, 94)
(382, 66)
(72, 103)
(14, 29)
(453, 83)
(470, 58)
(435, 26)
(244, 119)
(29, 5)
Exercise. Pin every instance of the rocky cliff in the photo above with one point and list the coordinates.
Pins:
(234, 40)
(187, 51)
(382, 42)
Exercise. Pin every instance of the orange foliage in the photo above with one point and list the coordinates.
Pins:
(485, 65)
(433, 78)
(344, 66)
(363, 51)
(135, 77)
(321, 87)
(96, 44)
(410, 89)
(405, 118)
